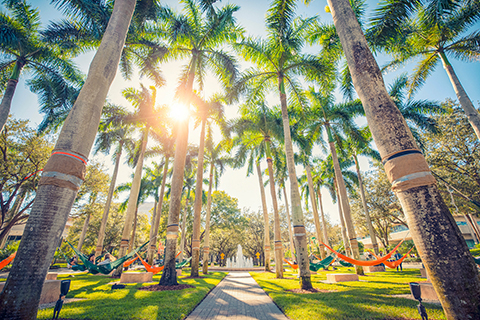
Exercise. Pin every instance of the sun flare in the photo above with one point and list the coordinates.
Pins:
(179, 112)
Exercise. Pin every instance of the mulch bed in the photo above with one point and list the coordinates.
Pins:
(313, 290)
(190, 277)
(157, 287)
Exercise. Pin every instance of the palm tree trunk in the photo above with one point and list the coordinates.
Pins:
(472, 114)
(432, 226)
(8, 94)
(184, 231)
(297, 214)
(324, 222)
(206, 241)
(131, 243)
(84, 232)
(158, 210)
(316, 219)
(153, 244)
(292, 247)
(346, 243)
(55, 196)
(276, 217)
(342, 191)
(365, 208)
(266, 239)
(198, 205)
(106, 210)
(132, 203)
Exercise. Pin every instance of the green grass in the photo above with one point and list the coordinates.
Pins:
(103, 303)
(369, 298)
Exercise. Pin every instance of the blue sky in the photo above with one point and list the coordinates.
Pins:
(251, 16)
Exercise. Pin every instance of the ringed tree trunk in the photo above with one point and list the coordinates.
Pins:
(292, 247)
(206, 241)
(111, 189)
(153, 237)
(365, 208)
(316, 219)
(324, 222)
(276, 229)
(342, 191)
(55, 195)
(6, 104)
(132, 204)
(266, 239)
(346, 243)
(184, 229)
(472, 114)
(198, 205)
(299, 231)
(169, 274)
(432, 226)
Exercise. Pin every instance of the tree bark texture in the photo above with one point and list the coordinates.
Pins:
(153, 237)
(206, 241)
(84, 232)
(133, 233)
(198, 205)
(365, 207)
(21, 294)
(276, 228)
(290, 233)
(6, 104)
(437, 237)
(346, 243)
(266, 240)
(472, 114)
(184, 232)
(299, 231)
(108, 203)
(343, 197)
(316, 219)
(324, 222)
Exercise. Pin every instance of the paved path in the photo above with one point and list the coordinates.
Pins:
(237, 297)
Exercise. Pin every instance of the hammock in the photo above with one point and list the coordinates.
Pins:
(364, 263)
(183, 263)
(396, 263)
(477, 260)
(153, 269)
(126, 264)
(294, 266)
(345, 263)
(104, 268)
(322, 264)
(6, 261)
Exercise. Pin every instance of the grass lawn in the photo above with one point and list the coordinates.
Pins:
(103, 303)
(369, 298)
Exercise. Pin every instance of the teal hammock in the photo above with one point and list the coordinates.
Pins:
(103, 268)
(344, 263)
(322, 264)
(183, 263)
(477, 260)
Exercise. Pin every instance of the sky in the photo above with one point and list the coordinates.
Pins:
(251, 17)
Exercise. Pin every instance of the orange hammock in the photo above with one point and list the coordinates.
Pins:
(7, 261)
(151, 269)
(396, 263)
(126, 264)
(294, 266)
(364, 263)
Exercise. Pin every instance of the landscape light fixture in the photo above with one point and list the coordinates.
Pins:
(64, 287)
(417, 294)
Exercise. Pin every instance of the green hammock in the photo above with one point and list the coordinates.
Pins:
(477, 260)
(182, 264)
(322, 264)
(103, 268)
(344, 263)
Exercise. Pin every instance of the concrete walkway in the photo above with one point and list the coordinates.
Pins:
(237, 297)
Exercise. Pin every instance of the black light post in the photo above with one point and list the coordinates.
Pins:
(417, 294)
(64, 287)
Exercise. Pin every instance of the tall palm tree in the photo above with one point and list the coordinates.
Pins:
(55, 197)
(429, 33)
(278, 61)
(199, 37)
(433, 229)
(333, 119)
(208, 112)
(113, 129)
(25, 51)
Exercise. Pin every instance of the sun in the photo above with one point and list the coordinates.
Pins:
(179, 112)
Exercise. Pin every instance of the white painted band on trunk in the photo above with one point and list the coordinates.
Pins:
(299, 234)
(62, 176)
(412, 176)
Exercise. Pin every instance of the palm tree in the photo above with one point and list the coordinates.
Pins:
(434, 231)
(207, 112)
(24, 50)
(113, 129)
(334, 118)
(198, 36)
(429, 33)
(278, 61)
(55, 197)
